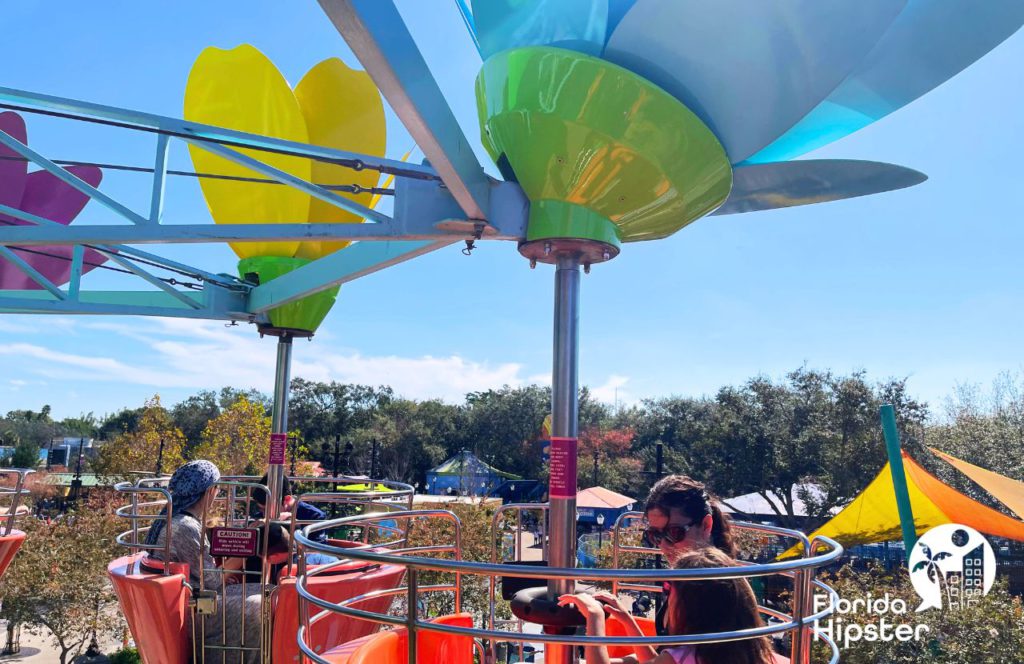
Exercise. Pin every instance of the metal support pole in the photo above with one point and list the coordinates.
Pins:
(564, 424)
(279, 422)
(412, 613)
(899, 477)
(659, 456)
(160, 458)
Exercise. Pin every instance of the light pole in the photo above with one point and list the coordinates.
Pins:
(160, 457)
(600, 532)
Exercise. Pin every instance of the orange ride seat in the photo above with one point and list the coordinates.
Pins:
(155, 606)
(392, 647)
(615, 627)
(9, 545)
(342, 583)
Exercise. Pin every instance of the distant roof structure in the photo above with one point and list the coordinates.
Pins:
(598, 497)
(755, 503)
(467, 463)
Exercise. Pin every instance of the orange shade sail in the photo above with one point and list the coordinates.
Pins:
(1008, 491)
(873, 515)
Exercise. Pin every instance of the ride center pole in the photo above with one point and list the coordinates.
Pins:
(899, 477)
(279, 424)
(564, 431)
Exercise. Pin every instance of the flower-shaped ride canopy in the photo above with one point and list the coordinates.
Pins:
(42, 194)
(769, 80)
(332, 106)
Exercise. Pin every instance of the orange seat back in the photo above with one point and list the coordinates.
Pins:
(9, 545)
(615, 627)
(392, 647)
(156, 609)
(343, 583)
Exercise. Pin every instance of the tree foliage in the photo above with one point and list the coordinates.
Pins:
(237, 440)
(988, 632)
(57, 582)
(139, 449)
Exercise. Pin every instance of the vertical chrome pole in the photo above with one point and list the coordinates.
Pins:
(279, 422)
(564, 424)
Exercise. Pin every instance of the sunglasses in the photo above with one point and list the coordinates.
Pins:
(673, 534)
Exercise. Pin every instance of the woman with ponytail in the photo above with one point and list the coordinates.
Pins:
(681, 517)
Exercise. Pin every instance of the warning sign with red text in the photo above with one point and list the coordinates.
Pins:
(278, 448)
(233, 542)
(562, 483)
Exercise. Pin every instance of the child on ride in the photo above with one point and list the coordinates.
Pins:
(694, 607)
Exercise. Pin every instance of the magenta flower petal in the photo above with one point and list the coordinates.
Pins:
(48, 197)
(12, 173)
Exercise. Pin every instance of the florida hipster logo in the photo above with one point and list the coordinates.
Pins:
(952, 564)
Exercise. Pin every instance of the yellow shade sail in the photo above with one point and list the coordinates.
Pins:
(1008, 491)
(874, 517)
(241, 89)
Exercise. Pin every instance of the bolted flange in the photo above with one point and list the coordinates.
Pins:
(548, 250)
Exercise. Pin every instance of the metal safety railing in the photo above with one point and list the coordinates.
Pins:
(13, 498)
(499, 519)
(411, 591)
(802, 579)
(233, 507)
(800, 622)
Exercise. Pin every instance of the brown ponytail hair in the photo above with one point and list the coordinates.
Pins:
(717, 605)
(687, 494)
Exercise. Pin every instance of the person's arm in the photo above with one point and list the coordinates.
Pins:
(615, 608)
(593, 611)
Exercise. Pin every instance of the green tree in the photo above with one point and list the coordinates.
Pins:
(124, 421)
(138, 449)
(29, 427)
(57, 586)
(26, 455)
(988, 632)
(410, 436)
(84, 426)
(237, 440)
(504, 428)
(983, 428)
(320, 411)
(192, 414)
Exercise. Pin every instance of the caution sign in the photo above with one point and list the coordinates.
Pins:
(233, 542)
(278, 448)
(562, 482)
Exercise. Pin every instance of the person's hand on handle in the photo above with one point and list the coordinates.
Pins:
(584, 603)
(612, 604)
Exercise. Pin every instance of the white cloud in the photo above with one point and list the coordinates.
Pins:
(182, 353)
(14, 328)
(539, 379)
(611, 391)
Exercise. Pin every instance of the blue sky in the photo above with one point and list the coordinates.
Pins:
(924, 283)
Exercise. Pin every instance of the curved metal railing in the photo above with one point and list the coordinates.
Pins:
(13, 497)
(151, 501)
(801, 570)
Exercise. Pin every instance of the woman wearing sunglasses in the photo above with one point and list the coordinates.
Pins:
(681, 517)
(693, 607)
